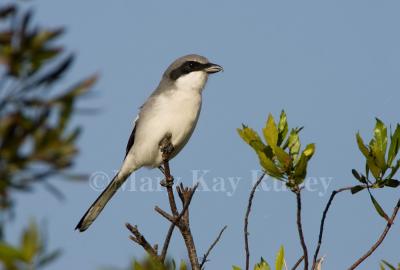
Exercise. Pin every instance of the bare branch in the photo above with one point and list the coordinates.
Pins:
(300, 229)
(298, 263)
(204, 260)
(175, 222)
(380, 239)
(167, 241)
(246, 221)
(138, 238)
(186, 195)
(167, 148)
(321, 228)
(181, 220)
(164, 214)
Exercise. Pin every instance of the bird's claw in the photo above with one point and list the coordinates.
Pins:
(167, 182)
(167, 149)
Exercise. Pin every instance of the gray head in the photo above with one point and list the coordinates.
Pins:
(190, 71)
(190, 63)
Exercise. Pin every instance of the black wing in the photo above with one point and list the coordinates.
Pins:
(131, 140)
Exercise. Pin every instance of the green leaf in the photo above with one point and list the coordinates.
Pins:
(359, 177)
(83, 86)
(392, 183)
(356, 174)
(378, 208)
(378, 156)
(361, 145)
(391, 267)
(394, 146)
(375, 170)
(46, 35)
(7, 10)
(380, 135)
(10, 253)
(137, 266)
(283, 128)
(54, 74)
(271, 131)
(234, 267)
(30, 243)
(251, 138)
(294, 143)
(309, 151)
(300, 170)
(280, 259)
(394, 169)
(269, 166)
(356, 189)
(65, 113)
(183, 265)
(283, 157)
(49, 258)
(262, 265)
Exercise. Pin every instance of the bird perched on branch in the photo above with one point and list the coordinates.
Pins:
(171, 110)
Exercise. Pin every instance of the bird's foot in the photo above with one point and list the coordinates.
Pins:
(166, 147)
(169, 182)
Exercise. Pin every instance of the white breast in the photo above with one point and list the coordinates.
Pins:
(174, 111)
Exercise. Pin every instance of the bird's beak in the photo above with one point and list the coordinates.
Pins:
(212, 68)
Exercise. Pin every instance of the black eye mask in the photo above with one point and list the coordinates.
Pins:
(186, 68)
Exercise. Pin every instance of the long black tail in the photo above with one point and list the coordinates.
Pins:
(98, 205)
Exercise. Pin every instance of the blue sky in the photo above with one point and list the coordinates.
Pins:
(332, 65)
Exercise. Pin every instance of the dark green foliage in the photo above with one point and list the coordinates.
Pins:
(380, 162)
(280, 262)
(385, 265)
(31, 252)
(36, 140)
(151, 263)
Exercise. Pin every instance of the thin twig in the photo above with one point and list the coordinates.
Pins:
(246, 221)
(167, 148)
(186, 195)
(164, 214)
(300, 229)
(204, 260)
(178, 219)
(175, 220)
(298, 263)
(166, 242)
(321, 228)
(182, 222)
(173, 224)
(138, 238)
(380, 239)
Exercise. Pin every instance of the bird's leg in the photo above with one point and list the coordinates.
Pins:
(166, 149)
(161, 168)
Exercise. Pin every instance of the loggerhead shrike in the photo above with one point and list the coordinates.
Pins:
(171, 110)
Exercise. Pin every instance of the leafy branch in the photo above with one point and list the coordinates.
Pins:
(281, 158)
(36, 139)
